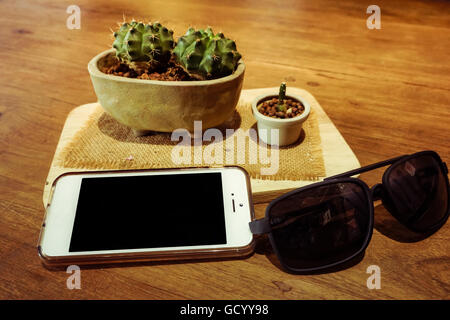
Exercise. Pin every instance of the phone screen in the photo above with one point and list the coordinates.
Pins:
(136, 212)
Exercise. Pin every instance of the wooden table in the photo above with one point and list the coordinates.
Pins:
(387, 91)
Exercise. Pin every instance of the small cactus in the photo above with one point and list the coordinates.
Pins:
(205, 55)
(143, 45)
(281, 96)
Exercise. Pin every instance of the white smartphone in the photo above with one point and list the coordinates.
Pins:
(120, 216)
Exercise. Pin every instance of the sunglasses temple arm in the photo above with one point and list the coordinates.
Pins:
(365, 169)
(260, 226)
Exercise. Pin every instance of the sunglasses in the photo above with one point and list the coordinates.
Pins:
(326, 224)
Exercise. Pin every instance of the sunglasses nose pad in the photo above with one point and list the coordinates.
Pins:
(377, 191)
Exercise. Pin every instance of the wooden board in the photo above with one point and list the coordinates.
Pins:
(337, 155)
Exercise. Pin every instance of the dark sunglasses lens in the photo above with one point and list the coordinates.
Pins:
(418, 190)
(321, 226)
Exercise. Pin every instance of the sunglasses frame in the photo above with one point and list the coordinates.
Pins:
(262, 226)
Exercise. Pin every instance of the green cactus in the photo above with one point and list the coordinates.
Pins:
(205, 55)
(281, 96)
(143, 45)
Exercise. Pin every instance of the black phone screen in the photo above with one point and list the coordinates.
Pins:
(135, 212)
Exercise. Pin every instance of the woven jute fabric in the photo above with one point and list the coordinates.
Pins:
(104, 143)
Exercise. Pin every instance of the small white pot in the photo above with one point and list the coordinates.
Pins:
(289, 129)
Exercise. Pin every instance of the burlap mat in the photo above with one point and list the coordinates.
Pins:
(103, 143)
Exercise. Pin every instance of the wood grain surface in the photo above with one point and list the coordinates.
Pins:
(387, 91)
